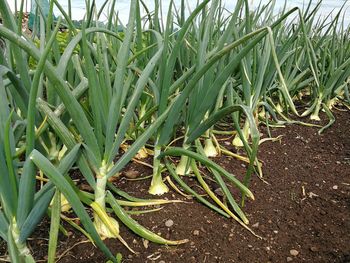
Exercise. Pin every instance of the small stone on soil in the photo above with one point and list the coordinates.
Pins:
(314, 249)
(169, 223)
(145, 243)
(196, 232)
(294, 252)
(335, 187)
(131, 174)
(289, 259)
(256, 225)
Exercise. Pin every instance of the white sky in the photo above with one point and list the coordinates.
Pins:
(123, 6)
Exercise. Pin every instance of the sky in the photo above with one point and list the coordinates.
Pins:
(123, 6)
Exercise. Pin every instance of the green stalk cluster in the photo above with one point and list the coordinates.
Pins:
(112, 93)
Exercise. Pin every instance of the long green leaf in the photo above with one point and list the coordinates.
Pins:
(54, 227)
(4, 226)
(35, 215)
(62, 89)
(61, 183)
(175, 151)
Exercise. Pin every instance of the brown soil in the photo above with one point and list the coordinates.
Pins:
(303, 204)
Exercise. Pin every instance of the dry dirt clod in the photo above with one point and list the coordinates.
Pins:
(219, 192)
(131, 174)
(86, 187)
(311, 195)
(294, 252)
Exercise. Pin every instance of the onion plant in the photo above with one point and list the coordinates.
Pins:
(101, 144)
(332, 62)
(22, 208)
(108, 92)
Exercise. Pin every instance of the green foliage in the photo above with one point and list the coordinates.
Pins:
(96, 95)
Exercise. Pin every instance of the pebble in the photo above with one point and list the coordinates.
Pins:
(335, 187)
(256, 225)
(162, 261)
(196, 232)
(192, 260)
(169, 223)
(145, 243)
(131, 174)
(314, 249)
(289, 259)
(294, 252)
